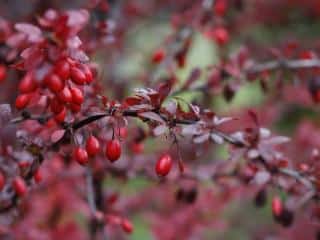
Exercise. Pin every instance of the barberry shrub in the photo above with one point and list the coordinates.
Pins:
(159, 119)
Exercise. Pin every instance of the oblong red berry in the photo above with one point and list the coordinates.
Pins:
(92, 146)
(54, 83)
(2, 181)
(37, 176)
(27, 84)
(19, 186)
(80, 155)
(75, 108)
(221, 36)
(158, 56)
(126, 226)
(78, 76)
(113, 150)
(77, 95)
(88, 73)
(65, 95)
(277, 206)
(22, 100)
(56, 106)
(61, 116)
(163, 165)
(62, 69)
(3, 72)
(220, 8)
(137, 147)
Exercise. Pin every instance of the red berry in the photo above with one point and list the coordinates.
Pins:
(2, 181)
(78, 76)
(56, 106)
(27, 84)
(62, 69)
(61, 116)
(221, 36)
(113, 150)
(126, 226)
(306, 55)
(22, 101)
(37, 176)
(88, 73)
(19, 185)
(92, 146)
(137, 147)
(158, 56)
(23, 165)
(80, 155)
(75, 108)
(112, 198)
(276, 206)
(220, 8)
(3, 72)
(65, 95)
(54, 83)
(163, 165)
(77, 95)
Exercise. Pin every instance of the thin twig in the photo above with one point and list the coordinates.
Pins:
(90, 190)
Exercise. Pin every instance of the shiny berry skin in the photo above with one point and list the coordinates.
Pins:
(37, 176)
(62, 69)
(163, 165)
(137, 148)
(77, 95)
(27, 84)
(92, 146)
(3, 72)
(158, 56)
(75, 108)
(277, 206)
(2, 181)
(88, 73)
(80, 155)
(126, 226)
(65, 95)
(220, 8)
(113, 150)
(61, 116)
(22, 100)
(221, 36)
(54, 83)
(78, 76)
(19, 186)
(56, 106)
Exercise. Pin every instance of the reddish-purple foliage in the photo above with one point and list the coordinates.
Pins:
(58, 128)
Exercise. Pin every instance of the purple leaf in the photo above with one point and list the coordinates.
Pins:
(171, 107)
(33, 33)
(57, 135)
(262, 177)
(201, 138)
(159, 130)
(193, 129)
(216, 138)
(79, 55)
(74, 42)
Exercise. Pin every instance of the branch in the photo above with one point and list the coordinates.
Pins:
(285, 64)
(296, 175)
